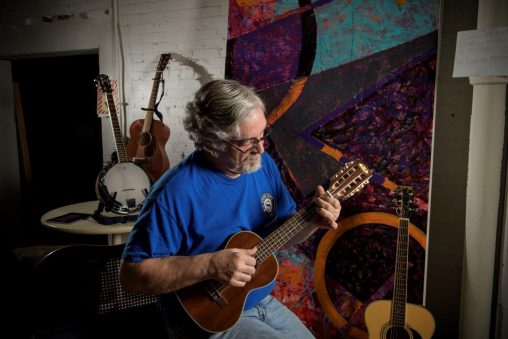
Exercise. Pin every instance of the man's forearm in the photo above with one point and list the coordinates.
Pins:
(164, 275)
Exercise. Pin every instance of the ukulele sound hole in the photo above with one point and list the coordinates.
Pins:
(214, 294)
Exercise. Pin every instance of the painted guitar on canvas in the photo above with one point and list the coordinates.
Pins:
(397, 318)
(148, 137)
(216, 306)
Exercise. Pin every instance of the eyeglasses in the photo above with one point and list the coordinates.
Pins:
(251, 143)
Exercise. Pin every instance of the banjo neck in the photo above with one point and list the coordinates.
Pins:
(115, 125)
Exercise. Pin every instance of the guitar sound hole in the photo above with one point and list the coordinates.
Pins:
(399, 332)
(145, 139)
(212, 288)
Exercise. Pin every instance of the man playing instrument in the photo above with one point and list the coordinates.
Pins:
(229, 184)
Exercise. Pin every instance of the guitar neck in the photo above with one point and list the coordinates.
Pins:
(398, 311)
(163, 62)
(346, 183)
(400, 284)
(120, 147)
(286, 232)
(147, 125)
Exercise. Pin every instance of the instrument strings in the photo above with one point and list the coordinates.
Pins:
(296, 223)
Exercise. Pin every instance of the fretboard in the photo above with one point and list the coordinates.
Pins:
(286, 232)
(398, 315)
(147, 125)
(349, 180)
(120, 147)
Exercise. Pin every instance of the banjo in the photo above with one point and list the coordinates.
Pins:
(121, 187)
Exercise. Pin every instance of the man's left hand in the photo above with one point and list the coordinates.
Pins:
(328, 209)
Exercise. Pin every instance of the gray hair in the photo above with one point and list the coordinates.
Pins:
(216, 112)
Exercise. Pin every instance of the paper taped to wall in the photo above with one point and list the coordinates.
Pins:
(482, 52)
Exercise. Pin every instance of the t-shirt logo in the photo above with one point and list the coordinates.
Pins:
(267, 203)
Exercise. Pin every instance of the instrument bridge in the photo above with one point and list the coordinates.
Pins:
(215, 295)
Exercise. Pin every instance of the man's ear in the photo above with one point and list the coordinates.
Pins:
(209, 149)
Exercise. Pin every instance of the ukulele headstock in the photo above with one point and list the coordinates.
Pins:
(404, 204)
(351, 178)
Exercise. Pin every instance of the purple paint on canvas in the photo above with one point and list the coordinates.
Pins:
(268, 56)
(391, 126)
(357, 100)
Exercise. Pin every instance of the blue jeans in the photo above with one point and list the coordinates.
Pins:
(268, 319)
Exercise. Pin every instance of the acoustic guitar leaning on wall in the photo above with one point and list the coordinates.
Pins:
(396, 318)
(148, 137)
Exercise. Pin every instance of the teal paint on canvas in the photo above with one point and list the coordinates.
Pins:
(351, 30)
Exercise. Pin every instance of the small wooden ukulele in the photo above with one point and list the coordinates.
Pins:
(148, 137)
(397, 318)
(216, 306)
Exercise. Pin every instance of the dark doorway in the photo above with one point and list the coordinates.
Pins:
(63, 134)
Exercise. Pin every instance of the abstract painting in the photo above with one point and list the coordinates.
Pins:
(344, 80)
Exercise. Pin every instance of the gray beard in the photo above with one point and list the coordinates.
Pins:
(250, 168)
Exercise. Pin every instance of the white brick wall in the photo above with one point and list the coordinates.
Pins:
(193, 31)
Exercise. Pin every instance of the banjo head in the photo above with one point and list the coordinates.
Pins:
(122, 187)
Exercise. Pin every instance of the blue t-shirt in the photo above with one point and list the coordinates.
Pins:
(194, 209)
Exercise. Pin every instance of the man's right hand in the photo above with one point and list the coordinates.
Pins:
(234, 266)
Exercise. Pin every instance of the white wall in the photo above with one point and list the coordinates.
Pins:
(129, 35)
